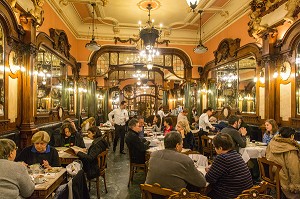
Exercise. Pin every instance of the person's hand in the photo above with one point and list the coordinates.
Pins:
(46, 164)
(243, 131)
(75, 150)
(207, 168)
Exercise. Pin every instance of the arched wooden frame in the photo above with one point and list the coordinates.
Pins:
(14, 35)
(288, 50)
(126, 49)
(235, 53)
(53, 44)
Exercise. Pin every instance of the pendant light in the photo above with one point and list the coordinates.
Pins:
(200, 48)
(92, 45)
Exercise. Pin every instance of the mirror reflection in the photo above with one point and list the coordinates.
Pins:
(298, 79)
(49, 86)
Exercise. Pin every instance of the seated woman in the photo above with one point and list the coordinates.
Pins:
(271, 130)
(183, 128)
(90, 122)
(89, 159)
(168, 125)
(14, 179)
(40, 152)
(285, 151)
(68, 137)
(156, 123)
(228, 175)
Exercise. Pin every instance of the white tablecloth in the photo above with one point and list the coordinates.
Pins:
(253, 151)
(87, 142)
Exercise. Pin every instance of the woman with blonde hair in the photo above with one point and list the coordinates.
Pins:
(14, 179)
(40, 152)
(271, 130)
(88, 123)
(183, 128)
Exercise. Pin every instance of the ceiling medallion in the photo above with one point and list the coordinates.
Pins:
(144, 4)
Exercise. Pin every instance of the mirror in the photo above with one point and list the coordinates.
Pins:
(82, 91)
(1, 72)
(298, 79)
(49, 86)
(232, 85)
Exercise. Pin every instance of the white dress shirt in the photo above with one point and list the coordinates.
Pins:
(120, 116)
(204, 122)
(162, 114)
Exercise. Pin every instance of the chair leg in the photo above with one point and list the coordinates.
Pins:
(130, 173)
(98, 187)
(104, 179)
(89, 185)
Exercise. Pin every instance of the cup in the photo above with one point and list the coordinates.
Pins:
(247, 140)
(39, 179)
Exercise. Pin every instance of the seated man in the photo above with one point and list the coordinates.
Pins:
(228, 175)
(172, 169)
(238, 136)
(136, 146)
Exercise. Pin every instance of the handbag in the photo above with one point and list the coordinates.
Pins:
(74, 167)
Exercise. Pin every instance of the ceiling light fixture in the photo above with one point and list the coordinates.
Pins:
(200, 48)
(149, 35)
(92, 45)
(193, 4)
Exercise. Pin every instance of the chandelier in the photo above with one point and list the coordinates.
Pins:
(92, 45)
(149, 35)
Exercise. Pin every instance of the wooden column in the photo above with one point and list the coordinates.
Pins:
(28, 91)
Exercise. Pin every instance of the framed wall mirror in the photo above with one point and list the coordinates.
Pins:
(48, 69)
(297, 78)
(2, 88)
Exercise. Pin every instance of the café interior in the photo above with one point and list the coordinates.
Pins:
(80, 58)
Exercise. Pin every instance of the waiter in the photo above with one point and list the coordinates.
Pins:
(120, 119)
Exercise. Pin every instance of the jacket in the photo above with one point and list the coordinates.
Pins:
(285, 152)
(89, 159)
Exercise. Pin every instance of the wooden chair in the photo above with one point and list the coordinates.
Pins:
(207, 146)
(185, 194)
(134, 168)
(155, 191)
(252, 194)
(102, 166)
(197, 141)
(269, 172)
(261, 188)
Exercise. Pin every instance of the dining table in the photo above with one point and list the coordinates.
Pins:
(52, 179)
(253, 150)
(66, 155)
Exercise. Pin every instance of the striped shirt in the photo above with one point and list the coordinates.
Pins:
(228, 176)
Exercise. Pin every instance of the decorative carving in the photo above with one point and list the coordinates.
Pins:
(293, 9)
(76, 70)
(38, 11)
(131, 40)
(61, 43)
(226, 49)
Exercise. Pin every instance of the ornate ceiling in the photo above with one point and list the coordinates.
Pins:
(119, 18)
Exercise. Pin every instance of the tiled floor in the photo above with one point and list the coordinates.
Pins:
(117, 175)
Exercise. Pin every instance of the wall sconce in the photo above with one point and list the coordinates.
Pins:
(262, 76)
(15, 63)
(275, 75)
(285, 71)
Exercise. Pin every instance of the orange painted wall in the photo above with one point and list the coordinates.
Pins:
(53, 21)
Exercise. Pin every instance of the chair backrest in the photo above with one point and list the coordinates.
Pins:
(270, 173)
(252, 194)
(155, 191)
(207, 145)
(102, 160)
(185, 194)
(261, 188)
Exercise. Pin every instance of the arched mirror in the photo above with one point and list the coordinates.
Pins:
(2, 88)
(48, 69)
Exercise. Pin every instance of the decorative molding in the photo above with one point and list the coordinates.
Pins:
(132, 40)
(61, 42)
(226, 49)
(38, 11)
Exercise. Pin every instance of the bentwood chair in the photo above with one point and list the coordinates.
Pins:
(207, 146)
(155, 191)
(253, 194)
(269, 172)
(185, 194)
(102, 167)
(261, 188)
(134, 167)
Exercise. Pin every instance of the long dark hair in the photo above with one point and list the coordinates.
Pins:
(96, 131)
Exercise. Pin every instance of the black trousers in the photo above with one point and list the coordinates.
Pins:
(119, 134)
